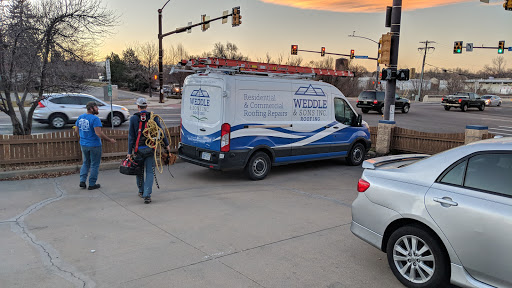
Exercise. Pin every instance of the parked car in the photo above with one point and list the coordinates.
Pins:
(176, 89)
(442, 218)
(102, 78)
(463, 101)
(492, 100)
(374, 100)
(61, 109)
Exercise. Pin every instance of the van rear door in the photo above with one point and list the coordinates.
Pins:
(202, 113)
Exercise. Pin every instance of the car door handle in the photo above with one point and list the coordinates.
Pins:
(202, 129)
(446, 201)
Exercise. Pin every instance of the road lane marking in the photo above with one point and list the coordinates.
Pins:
(495, 119)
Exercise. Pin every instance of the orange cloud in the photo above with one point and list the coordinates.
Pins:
(365, 6)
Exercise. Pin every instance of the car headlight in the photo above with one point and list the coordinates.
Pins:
(124, 108)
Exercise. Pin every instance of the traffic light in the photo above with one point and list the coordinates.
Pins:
(385, 49)
(155, 77)
(352, 52)
(457, 47)
(322, 51)
(204, 26)
(294, 49)
(501, 47)
(236, 19)
(508, 5)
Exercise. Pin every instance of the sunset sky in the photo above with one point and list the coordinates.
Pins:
(273, 25)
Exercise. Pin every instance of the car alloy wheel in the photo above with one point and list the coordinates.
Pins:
(405, 110)
(116, 120)
(58, 121)
(417, 258)
(414, 259)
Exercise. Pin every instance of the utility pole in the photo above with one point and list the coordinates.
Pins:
(160, 56)
(389, 101)
(426, 48)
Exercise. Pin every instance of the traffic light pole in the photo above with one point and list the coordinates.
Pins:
(389, 101)
(177, 30)
(378, 64)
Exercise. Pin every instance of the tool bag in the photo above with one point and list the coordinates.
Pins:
(129, 167)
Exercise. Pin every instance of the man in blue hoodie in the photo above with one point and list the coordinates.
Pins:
(88, 126)
(144, 155)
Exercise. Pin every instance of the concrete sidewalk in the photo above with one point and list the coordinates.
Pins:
(204, 229)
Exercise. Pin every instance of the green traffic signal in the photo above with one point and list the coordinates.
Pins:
(458, 50)
(500, 51)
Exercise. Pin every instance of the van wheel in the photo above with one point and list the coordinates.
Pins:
(258, 166)
(365, 110)
(356, 155)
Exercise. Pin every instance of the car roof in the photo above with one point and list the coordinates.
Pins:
(430, 168)
(54, 95)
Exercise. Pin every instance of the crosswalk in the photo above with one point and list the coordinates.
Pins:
(501, 130)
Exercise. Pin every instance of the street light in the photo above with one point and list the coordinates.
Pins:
(160, 54)
(378, 48)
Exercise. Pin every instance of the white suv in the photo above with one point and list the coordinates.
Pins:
(61, 109)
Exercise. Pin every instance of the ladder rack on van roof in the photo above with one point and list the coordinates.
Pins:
(236, 66)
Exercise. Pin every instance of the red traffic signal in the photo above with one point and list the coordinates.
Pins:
(294, 49)
(322, 52)
(352, 52)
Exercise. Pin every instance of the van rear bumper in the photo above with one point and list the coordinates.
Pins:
(219, 160)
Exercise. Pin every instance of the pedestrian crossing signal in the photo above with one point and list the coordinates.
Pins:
(294, 49)
(457, 47)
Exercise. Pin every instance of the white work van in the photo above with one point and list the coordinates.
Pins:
(256, 122)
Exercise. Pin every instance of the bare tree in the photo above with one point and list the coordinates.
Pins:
(497, 69)
(294, 61)
(228, 51)
(41, 45)
(148, 54)
(173, 55)
(455, 83)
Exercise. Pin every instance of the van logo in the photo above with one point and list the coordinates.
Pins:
(200, 93)
(310, 91)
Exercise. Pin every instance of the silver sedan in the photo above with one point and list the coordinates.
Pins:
(442, 218)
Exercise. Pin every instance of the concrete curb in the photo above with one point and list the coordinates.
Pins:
(56, 169)
(59, 169)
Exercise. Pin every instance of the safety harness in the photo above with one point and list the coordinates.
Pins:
(140, 134)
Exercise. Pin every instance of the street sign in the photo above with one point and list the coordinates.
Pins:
(510, 48)
(469, 47)
(109, 89)
(107, 68)
(361, 57)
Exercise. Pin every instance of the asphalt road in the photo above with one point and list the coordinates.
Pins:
(426, 117)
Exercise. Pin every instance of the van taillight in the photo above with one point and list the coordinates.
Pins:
(225, 137)
(362, 185)
(375, 101)
(40, 105)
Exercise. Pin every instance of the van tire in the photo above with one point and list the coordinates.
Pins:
(356, 155)
(258, 166)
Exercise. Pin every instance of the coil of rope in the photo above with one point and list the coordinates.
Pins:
(155, 138)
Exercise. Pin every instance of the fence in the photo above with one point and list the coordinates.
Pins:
(63, 147)
(421, 142)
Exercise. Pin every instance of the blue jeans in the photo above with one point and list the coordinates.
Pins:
(146, 185)
(91, 157)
